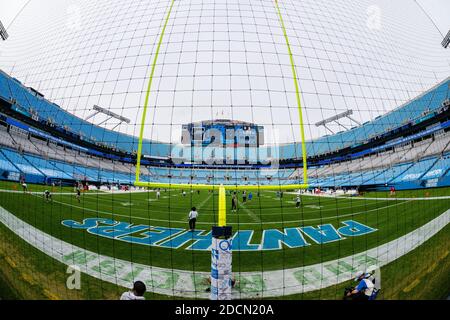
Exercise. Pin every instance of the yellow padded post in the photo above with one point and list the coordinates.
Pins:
(222, 207)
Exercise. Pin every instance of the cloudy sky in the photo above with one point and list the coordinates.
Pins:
(226, 59)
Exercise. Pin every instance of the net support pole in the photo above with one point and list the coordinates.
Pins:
(221, 254)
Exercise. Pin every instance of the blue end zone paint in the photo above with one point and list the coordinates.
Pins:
(175, 238)
(116, 230)
(241, 241)
(152, 236)
(201, 241)
(324, 233)
(87, 223)
(273, 239)
(354, 229)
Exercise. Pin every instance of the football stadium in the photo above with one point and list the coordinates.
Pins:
(224, 150)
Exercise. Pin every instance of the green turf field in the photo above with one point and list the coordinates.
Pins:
(391, 216)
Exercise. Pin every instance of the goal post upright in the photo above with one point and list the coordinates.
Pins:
(297, 94)
(147, 95)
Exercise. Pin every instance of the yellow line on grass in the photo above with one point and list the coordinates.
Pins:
(411, 286)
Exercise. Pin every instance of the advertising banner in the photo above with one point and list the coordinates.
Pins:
(221, 265)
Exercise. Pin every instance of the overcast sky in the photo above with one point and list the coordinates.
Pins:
(439, 10)
(227, 59)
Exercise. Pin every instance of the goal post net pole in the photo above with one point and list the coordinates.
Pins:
(221, 254)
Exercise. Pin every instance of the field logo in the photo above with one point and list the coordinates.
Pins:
(243, 240)
(74, 280)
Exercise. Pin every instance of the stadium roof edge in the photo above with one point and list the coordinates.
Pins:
(380, 116)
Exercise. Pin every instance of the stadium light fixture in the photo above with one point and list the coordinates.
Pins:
(336, 118)
(110, 115)
(446, 42)
(3, 34)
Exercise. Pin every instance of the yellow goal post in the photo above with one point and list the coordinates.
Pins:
(221, 188)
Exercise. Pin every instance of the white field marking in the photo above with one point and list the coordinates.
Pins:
(315, 207)
(326, 201)
(274, 283)
(394, 198)
(135, 217)
(231, 223)
(143, 201)
(37, 192)
(124, 192)
(249, 212)
(370, 198)
(203, 203)
(116, 200)
(92, 193)
(333, 208)
(127, 204)
(318, 207)
(104, 193)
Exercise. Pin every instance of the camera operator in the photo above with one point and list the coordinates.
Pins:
(364, 289)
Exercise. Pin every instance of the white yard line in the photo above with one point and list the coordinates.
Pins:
(203, 202)
(401, 199)
(249, 212)
(376, 199)
(231, 223)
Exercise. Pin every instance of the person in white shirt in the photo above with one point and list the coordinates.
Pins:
(158, 194)
(192, 218)
(298, 202)
(137, 293)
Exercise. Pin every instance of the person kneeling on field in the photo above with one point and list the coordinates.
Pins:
(365, 290)
(137, 293)
(192, 218)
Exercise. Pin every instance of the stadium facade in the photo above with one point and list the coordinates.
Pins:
(406, 148)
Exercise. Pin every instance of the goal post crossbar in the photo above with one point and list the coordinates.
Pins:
(188, 186)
